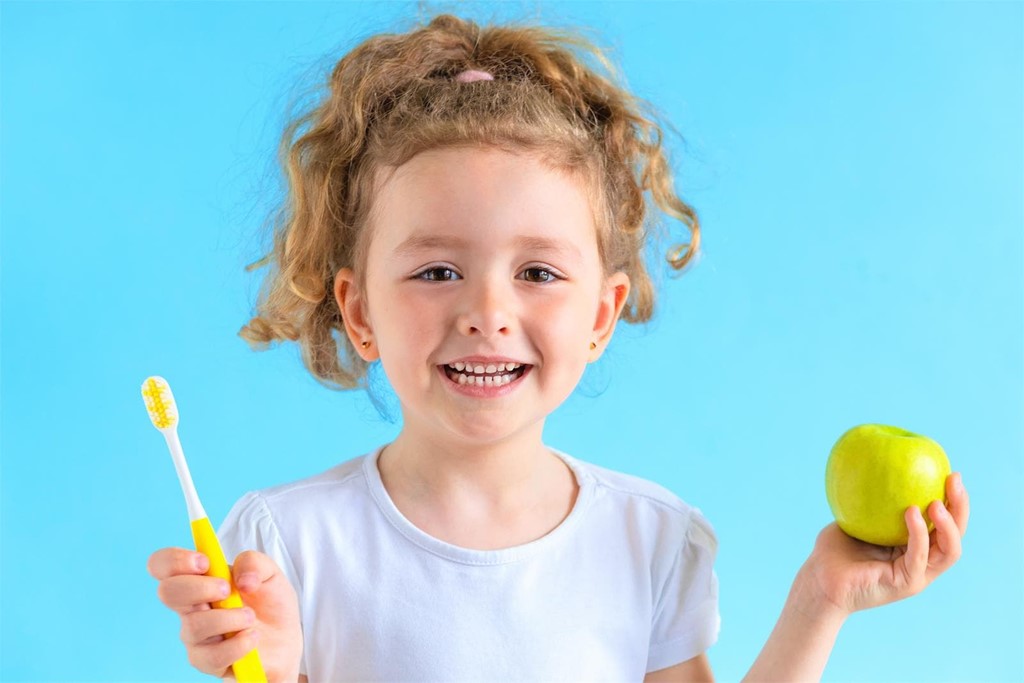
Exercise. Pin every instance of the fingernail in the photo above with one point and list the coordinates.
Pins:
(224, 588)
(202, 563)
(250, 616)
(247, 582)
(959, 482)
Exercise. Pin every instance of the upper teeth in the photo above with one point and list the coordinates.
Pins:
(481, 369)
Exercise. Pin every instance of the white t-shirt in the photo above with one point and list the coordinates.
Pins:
(623, 586)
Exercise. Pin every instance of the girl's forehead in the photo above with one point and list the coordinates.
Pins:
(461, 171)
(458, 197)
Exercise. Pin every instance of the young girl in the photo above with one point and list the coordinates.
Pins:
(467, 207)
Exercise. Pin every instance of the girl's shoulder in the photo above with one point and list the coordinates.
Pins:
(644, 501)
(308, 491)
(628, 485)
(339, 475)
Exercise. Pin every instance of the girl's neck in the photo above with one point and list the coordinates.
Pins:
(480, 497)
(501, 475)
(440, 464)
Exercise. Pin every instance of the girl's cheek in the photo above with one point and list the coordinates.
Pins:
(412, 312)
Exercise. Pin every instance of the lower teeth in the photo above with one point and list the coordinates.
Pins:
(482, 380)
(489, 381)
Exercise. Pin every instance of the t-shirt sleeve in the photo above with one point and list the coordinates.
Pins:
(250, 525)
(686, 619)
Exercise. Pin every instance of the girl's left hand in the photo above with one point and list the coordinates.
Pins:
(850, 575)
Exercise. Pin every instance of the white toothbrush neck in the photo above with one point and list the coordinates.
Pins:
(195, 508)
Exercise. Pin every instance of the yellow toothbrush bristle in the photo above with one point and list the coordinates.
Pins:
(156, 392)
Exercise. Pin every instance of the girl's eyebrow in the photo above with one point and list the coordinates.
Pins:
(548, 244)
(417, 243)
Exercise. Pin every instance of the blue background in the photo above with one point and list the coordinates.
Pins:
(857, 168)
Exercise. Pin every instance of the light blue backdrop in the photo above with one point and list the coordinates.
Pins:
(857, 168)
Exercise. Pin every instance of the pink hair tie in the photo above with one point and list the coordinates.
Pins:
(470, 75)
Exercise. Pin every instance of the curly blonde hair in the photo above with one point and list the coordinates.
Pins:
(394, 96)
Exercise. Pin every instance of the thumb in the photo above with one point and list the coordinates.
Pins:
(263, 586)
(251, 569)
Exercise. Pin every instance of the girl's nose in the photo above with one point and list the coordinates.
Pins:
(486, 310)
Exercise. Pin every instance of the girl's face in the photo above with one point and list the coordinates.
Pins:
(484, 292)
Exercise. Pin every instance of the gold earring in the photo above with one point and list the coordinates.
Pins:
(365, 344)
(593, 346)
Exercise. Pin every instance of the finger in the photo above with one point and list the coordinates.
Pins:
(264, 586)
(959, 501)
(947, 540)
(168, 562)
(915, 560)
(256, 575)
(252, 569)
(185, 594)
(215, 658)
(212, 626)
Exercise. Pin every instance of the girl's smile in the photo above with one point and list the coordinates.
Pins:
(484, 378)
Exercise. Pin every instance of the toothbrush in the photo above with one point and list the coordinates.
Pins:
(164, 414)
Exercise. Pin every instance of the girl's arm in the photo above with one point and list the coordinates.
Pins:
(844, 575)
(802, 640)
(696, 670)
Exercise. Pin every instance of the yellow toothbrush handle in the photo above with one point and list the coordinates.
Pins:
(248, 669)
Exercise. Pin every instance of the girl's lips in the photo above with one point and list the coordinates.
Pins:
(472, 388)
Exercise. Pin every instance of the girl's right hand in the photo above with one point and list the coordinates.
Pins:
(269, 620)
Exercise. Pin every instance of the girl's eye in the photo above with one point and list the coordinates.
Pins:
(540, 275)
(438, 274)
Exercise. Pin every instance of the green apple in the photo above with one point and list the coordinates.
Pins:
(875, 472)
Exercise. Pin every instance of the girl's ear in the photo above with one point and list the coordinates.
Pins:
(352, 304)
(613, 299)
